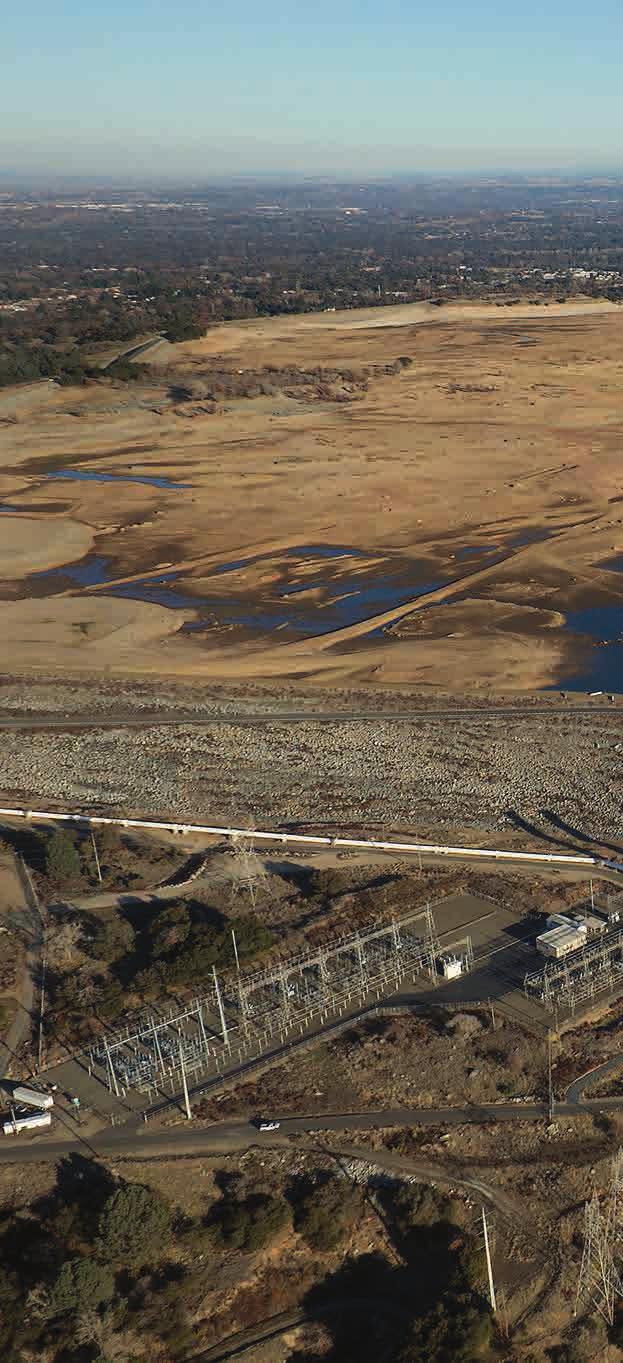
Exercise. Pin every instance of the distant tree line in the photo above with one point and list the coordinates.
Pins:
(27, 363)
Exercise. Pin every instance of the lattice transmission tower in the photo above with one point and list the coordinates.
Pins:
(600, 1282)
(248, 870)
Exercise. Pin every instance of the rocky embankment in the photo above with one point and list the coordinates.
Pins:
(558, 774)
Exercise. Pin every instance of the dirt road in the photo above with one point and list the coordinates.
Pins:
(23, 1021)
(123, 720)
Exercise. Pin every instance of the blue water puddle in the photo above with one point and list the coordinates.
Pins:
(88, 572)
(613, 565)
(346, 600)
(475, 551)
(328, 551)
(602, 667)
(158, 595)
(91, 476)
(497, 549)
(323, 551)
(344, 595)
(349, 605)
(525, 537)
(93, 571)
(233, 565)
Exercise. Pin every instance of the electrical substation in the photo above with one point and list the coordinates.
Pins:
(244, 1015)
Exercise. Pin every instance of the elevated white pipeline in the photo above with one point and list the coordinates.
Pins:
(313, 840)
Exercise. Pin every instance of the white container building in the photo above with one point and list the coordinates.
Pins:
(560, 941)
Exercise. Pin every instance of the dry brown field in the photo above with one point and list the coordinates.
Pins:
(434, 531)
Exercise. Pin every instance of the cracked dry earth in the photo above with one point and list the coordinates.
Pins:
(485, 772)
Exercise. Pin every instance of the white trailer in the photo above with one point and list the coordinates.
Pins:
(32, 1098)
(26, 1123)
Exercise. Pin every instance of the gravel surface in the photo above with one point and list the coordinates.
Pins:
(482, 772)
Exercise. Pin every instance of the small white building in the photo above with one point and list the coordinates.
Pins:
(560, 941)
(590, 923)
(450, 966)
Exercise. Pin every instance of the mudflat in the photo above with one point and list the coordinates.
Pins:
(458, 524)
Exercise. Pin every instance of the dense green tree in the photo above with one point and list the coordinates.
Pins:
(109, 939)
(110, 999)
(133, 1225)
(251, 1223)
(457, 1329)
(61, 858)
(326, 1212)
(81, 1283)
(170, 929)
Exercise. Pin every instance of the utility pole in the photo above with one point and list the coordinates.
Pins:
(489, 1264)
(112, 1081)
(233, 938)
(220, 1005)
(551, 1102)
(97, 860)
(42, 1002)
(157, 1045)
(184, 1084)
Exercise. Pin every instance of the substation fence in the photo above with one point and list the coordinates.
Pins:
(563, 985)
(248, 1015)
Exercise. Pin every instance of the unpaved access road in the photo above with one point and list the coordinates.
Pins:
(97, 720)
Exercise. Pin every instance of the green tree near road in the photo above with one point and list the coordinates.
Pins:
(133, 1226)
(81, 1284)
(250, 1224)
(61, 859)
(326, 1212)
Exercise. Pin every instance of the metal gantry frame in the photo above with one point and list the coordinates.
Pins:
(240, 1016)
(577, 977)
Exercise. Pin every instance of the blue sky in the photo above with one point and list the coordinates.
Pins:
(144, 88)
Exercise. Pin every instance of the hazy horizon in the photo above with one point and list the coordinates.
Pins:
(342, 91)
(58, 180)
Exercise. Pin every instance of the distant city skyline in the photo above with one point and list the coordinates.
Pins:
(142, 90)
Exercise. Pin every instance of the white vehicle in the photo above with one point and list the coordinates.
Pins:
(26, 1123)
(32, 1098)
(269, 1126)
